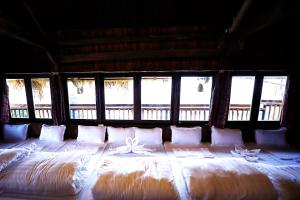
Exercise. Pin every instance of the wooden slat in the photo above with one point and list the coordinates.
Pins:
(133, 39)
(112, 56)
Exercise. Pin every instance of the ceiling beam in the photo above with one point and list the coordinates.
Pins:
(111, 56)
(43, 33)
(240, 16)
(279, 11)
(14, 31)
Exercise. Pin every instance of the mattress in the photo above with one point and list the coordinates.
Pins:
(42, 145)
(134, 178)
(280, 166)
(285, 178)
(269, 156)
(79, 146)
(225, 178)
(10, 156)
(48, 174)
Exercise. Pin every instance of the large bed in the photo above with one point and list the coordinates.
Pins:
(81, 170)
(53, 170)
(213, 172)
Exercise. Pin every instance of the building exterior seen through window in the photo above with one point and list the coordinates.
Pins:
(82, 98)
(272, 98)
(241, 98)
(17, 98)
(156, 98)
(41, 98)
(118, 93)
(195, 94)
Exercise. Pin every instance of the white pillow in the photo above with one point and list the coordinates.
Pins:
(182, 135)
(148, 136)
(275, 137)
(93, 134)
(15, 133)
(119, 135)
(53, 133)
(226, 137)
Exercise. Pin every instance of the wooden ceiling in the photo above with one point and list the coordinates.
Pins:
(139, 35)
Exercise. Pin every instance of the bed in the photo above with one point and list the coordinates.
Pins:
(84, 170)
(53, 171)
(143, 175)
(204, 167)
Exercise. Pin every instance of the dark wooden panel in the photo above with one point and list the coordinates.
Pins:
(115, 56)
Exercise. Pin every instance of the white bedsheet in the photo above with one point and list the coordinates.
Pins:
(6, 145)
(281, 166)
(42, 145)
(286, 179)
(135, 178)
(47, 174)
(225, 178)
(9, 156)
(80, 146)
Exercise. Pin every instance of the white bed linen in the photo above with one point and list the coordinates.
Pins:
(135, 178)
(41, 145)
(48, 174)
(269, 156)
(111, 149)
(286, 179)
(9, 156)
(4, 145)
(225, 178)
(80, 146)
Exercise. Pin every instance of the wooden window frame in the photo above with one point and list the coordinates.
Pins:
(175, 98)
(29, 98)
(253, 122)
(190, 74)
(66, 98)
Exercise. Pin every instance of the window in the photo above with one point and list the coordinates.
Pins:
(241, 98)
(118, 98)
(41, 97)
(195, 93)
(82, 98)
(17, 98)
(156, 98)
(271, 98)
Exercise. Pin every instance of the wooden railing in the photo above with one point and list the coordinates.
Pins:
(270, 110)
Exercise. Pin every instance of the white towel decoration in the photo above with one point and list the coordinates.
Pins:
(249, 155)
(131, 146)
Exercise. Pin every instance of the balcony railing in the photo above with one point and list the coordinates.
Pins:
(270, 110)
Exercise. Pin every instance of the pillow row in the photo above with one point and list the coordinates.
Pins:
(144, 136)
(180, 135)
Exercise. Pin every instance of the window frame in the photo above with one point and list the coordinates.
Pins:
(198, 74)
(258, 83)
(253, 95)
(29, 98)
(119, 75)
(269, 124)
(175, 98)
(66, 98)
(172, 109)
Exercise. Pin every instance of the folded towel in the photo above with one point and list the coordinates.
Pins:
(131, 146)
